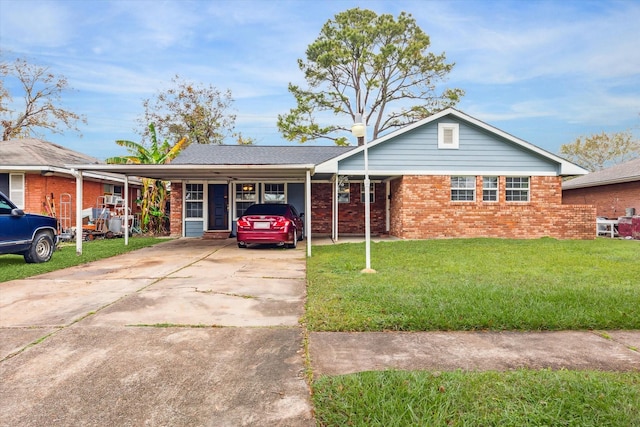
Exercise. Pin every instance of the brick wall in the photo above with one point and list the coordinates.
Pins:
(350, 215)
(38, 187)
(421, 209)
(610, 200)
(175, 217)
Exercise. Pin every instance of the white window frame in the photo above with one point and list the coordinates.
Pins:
(245, 197)
(198, 200)
(456, 187)
(522, 190)
(448, 136)
(495, 191)
(264, 192)
(16, 189)
(372, 192)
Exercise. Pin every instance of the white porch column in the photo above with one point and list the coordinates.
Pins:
(388, 206)
(126, 210)
(307, 209)
(78, 175)
(334, 209)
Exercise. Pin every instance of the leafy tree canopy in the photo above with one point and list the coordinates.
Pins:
(602, 150)
(367, 63)
(196, 111)
(40, 107)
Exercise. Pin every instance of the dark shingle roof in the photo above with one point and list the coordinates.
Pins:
(36, 152)
(624, 172)
(198, 154)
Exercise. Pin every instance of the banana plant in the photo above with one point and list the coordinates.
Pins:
(154, 192)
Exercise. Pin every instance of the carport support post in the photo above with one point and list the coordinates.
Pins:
(126, 210)
(78, 175)
(307, 213)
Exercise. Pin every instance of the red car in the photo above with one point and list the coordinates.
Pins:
(270, 223)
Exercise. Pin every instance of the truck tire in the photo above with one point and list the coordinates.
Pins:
(41, 249)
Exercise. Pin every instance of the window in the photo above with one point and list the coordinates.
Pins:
(489, 188)
(372, 193)
(5, 207)
(463, 188)
(16, 189)
(246, 195)
(517, 189)
(194, 200)
(344, 194)
(275, 193)
(448, 136)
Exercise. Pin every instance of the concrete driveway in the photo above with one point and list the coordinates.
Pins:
(188, 332)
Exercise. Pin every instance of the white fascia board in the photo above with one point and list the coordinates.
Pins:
(63, 171)
(447, 172)
(135, 168)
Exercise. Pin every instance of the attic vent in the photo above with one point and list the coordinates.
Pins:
(448, 136)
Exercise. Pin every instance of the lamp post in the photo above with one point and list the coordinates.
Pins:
(359, 130)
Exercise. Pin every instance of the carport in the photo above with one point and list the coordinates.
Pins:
(229, 173)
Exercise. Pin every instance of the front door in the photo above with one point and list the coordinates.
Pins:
(218, 207)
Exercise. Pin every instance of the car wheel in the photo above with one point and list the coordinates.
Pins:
(301, 237)
(41, 249)
(295, 240)
(242, 245)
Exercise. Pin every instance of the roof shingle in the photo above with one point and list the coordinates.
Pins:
(624, 172)
(36, 152)
(198, 154)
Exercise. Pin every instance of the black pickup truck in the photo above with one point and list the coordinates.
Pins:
(33, 236)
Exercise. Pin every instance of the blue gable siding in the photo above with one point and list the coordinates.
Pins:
(479, 152)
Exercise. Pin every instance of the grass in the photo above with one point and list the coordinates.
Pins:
(476, 284)
(13, 267)
(517, 398)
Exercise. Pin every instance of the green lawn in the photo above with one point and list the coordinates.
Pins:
(13, 266)
(517, 398)
(477, 284)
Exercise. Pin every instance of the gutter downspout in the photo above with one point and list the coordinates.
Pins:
(78, 175)
(126, 210)
(307, 214)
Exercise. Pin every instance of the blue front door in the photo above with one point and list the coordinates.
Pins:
(218, 207)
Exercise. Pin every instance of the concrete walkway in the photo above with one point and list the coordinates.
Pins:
(195, 332)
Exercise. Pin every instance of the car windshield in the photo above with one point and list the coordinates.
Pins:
(273, 209)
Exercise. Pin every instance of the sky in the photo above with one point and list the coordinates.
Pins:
(546, 72)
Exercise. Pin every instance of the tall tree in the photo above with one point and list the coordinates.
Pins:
(41, 108)
(602, 150)
(154, 194)
(372, 65)
(199, 112)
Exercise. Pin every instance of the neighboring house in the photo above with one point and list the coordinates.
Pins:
(32, 170)
(449, 175)
(612, 191)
